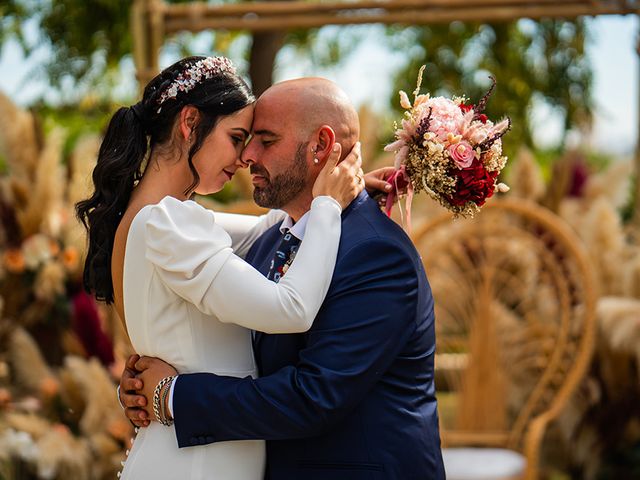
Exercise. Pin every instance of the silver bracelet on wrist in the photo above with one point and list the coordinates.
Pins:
(119, 400)
(158, 409)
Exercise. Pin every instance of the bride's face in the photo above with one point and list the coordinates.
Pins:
(219, 157)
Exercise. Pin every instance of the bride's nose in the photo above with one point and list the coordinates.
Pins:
(246, 157)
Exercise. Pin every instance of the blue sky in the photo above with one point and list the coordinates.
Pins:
(366, 80)
(613, 53)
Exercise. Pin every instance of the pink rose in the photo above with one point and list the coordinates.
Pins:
(462, 154)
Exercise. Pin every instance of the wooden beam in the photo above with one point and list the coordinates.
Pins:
(349, 16)
(200, 9)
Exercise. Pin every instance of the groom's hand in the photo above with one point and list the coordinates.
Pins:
(132, 401)
(152, 370)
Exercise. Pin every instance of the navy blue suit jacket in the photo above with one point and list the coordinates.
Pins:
(353, 398)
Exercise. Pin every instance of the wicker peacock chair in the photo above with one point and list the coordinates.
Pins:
(515, 297)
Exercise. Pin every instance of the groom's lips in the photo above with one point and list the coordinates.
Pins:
(228, 174)
(258, 180)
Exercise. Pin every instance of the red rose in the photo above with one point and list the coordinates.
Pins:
(474, 184)
(465, 108)
(483, 118)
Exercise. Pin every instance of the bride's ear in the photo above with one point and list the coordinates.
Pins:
(188, 119)
(326, 138)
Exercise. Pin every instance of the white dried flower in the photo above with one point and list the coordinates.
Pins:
(404, 100)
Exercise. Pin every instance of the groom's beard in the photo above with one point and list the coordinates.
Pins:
(282, 188)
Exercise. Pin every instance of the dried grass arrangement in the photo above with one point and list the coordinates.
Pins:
(59, 417)
(599, 430)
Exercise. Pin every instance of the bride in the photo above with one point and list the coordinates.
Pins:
(167, 264)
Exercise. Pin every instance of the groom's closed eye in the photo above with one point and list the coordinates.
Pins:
(266, 137)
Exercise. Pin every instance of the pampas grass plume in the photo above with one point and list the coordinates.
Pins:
(612, 184)
(96, 387)
(48, 189)
(62, 455)
(525, 177)
(82, 162)
(619, 321)
(19, 142)
(30, 368)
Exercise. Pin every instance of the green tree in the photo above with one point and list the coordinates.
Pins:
(88, 39)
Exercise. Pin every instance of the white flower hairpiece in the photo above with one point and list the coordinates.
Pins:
(201, 70)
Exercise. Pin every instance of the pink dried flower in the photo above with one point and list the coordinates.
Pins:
(462, 154)
(446, 116)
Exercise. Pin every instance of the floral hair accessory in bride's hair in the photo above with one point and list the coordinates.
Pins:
(449, 149)
(201, 70)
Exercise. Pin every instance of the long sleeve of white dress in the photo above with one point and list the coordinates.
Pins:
(193, 257)
(246, 229)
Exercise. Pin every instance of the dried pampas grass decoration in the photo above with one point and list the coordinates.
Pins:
(34, 425)
(605, 240)
(108, 455)
(62, 455)
(31, 371)
(46, 194)
(83, 159)
(525, 177)
(96, 388)
(619, 321)
(611, 184)
(20, 140)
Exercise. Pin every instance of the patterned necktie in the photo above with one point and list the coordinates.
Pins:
(285, 254)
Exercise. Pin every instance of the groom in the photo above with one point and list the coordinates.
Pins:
(353, 398)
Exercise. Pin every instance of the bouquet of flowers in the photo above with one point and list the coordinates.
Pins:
(449, 149)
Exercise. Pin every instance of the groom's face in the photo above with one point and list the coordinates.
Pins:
(276, 155)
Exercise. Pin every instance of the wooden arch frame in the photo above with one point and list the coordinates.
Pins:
(153, 20)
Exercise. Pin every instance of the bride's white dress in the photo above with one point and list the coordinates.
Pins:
(191, 301)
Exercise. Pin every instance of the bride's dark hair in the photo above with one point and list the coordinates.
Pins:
(132, 134)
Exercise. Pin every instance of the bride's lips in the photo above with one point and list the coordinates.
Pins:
(228, 174)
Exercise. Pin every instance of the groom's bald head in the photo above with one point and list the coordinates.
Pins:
(295, 125)
(310, 103)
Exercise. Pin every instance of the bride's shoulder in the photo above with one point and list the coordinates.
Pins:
(172, 222)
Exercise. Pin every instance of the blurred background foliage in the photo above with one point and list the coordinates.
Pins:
(534, 62)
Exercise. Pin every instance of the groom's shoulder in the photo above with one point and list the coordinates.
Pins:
(365, 223)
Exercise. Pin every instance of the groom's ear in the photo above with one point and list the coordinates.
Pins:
(326, 138)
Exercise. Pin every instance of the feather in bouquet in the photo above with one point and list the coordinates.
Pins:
(449, 149)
